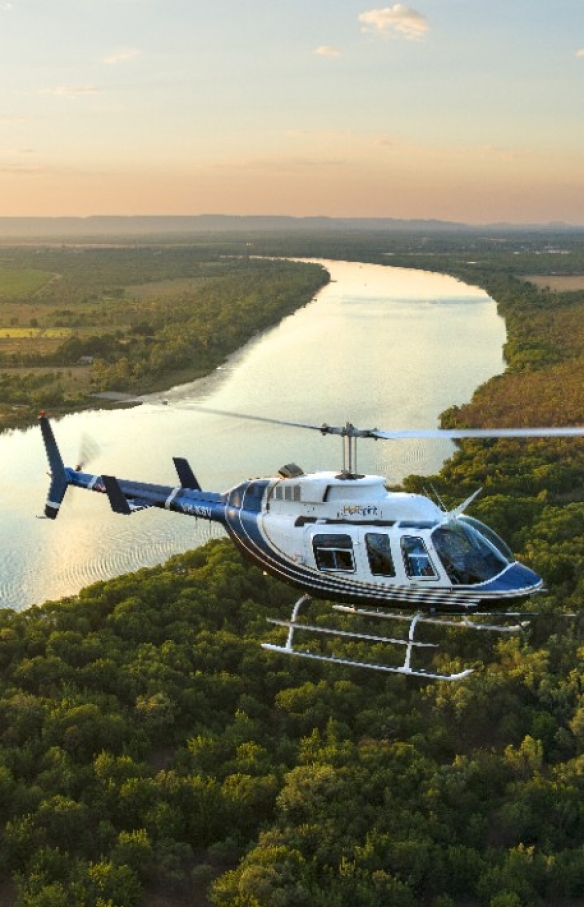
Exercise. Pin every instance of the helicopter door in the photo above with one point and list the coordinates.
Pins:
(416, 558)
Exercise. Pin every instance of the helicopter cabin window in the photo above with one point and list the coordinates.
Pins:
(416, 558)
(286, 492)
(379, 554)
(333, 553)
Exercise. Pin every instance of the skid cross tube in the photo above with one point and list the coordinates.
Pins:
(410, 644)
(459, 620)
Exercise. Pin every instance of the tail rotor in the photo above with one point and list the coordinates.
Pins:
(89, 450)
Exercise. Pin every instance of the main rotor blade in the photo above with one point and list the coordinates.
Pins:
(223, 412)
(460, 433)
(349, 430)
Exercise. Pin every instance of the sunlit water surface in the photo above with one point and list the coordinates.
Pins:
(381, 347)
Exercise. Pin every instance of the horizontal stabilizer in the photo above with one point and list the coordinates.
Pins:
(118, 502)
(186, 475)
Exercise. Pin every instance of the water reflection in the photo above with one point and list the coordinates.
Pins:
(380, 347)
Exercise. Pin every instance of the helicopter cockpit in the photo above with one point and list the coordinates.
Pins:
(470, 552)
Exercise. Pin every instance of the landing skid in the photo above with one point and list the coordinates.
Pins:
(410, 643)
(462, 620)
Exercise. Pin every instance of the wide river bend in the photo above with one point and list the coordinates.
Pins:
(378, 346)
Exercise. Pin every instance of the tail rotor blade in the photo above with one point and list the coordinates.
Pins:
(88, 451)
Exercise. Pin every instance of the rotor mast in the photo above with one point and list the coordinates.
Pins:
(349, 434)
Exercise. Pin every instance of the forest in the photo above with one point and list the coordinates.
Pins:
(152, 754)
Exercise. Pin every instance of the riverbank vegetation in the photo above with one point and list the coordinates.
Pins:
(134, 320)
(151, 753)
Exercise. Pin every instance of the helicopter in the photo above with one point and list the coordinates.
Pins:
(344, 537)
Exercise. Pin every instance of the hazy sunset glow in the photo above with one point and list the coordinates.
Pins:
(451, 109)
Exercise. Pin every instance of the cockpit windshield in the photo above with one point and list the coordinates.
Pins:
(467, 552)
(491, 536)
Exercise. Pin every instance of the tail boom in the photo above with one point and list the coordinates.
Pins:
(125, 496)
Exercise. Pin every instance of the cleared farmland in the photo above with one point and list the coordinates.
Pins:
(558, 283)
(16, 283)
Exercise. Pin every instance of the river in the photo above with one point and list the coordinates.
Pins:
(379, 346)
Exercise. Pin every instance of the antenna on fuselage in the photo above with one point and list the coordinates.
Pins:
(437, 497)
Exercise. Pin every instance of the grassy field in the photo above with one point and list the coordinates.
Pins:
(16, 283)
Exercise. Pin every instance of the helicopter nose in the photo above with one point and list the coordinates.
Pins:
(518, 579)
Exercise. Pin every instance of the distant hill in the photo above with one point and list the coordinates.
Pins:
(57, 228)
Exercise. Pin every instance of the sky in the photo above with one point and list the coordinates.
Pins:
(460, 110)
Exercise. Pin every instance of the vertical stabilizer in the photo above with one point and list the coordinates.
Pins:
(185, 474)
(59, 479)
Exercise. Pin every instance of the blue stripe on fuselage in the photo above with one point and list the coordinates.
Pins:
(243, 526)
(244, 530)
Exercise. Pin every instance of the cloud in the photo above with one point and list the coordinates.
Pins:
(17, 170)
(580, 53)
(71, 91)
(11, 120)
(121, 56)
(397, 20)
(299, 133)
(17, 151)
(4, 7)
(500, 153)
(325, 50)
(280, 164)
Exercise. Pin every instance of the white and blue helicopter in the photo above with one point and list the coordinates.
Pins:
(344, 537)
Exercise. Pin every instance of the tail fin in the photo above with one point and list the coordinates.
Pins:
(59, 479)
(185, 474)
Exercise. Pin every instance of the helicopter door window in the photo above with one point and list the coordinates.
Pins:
(379, 554)
(334, 553)
(416, 558)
